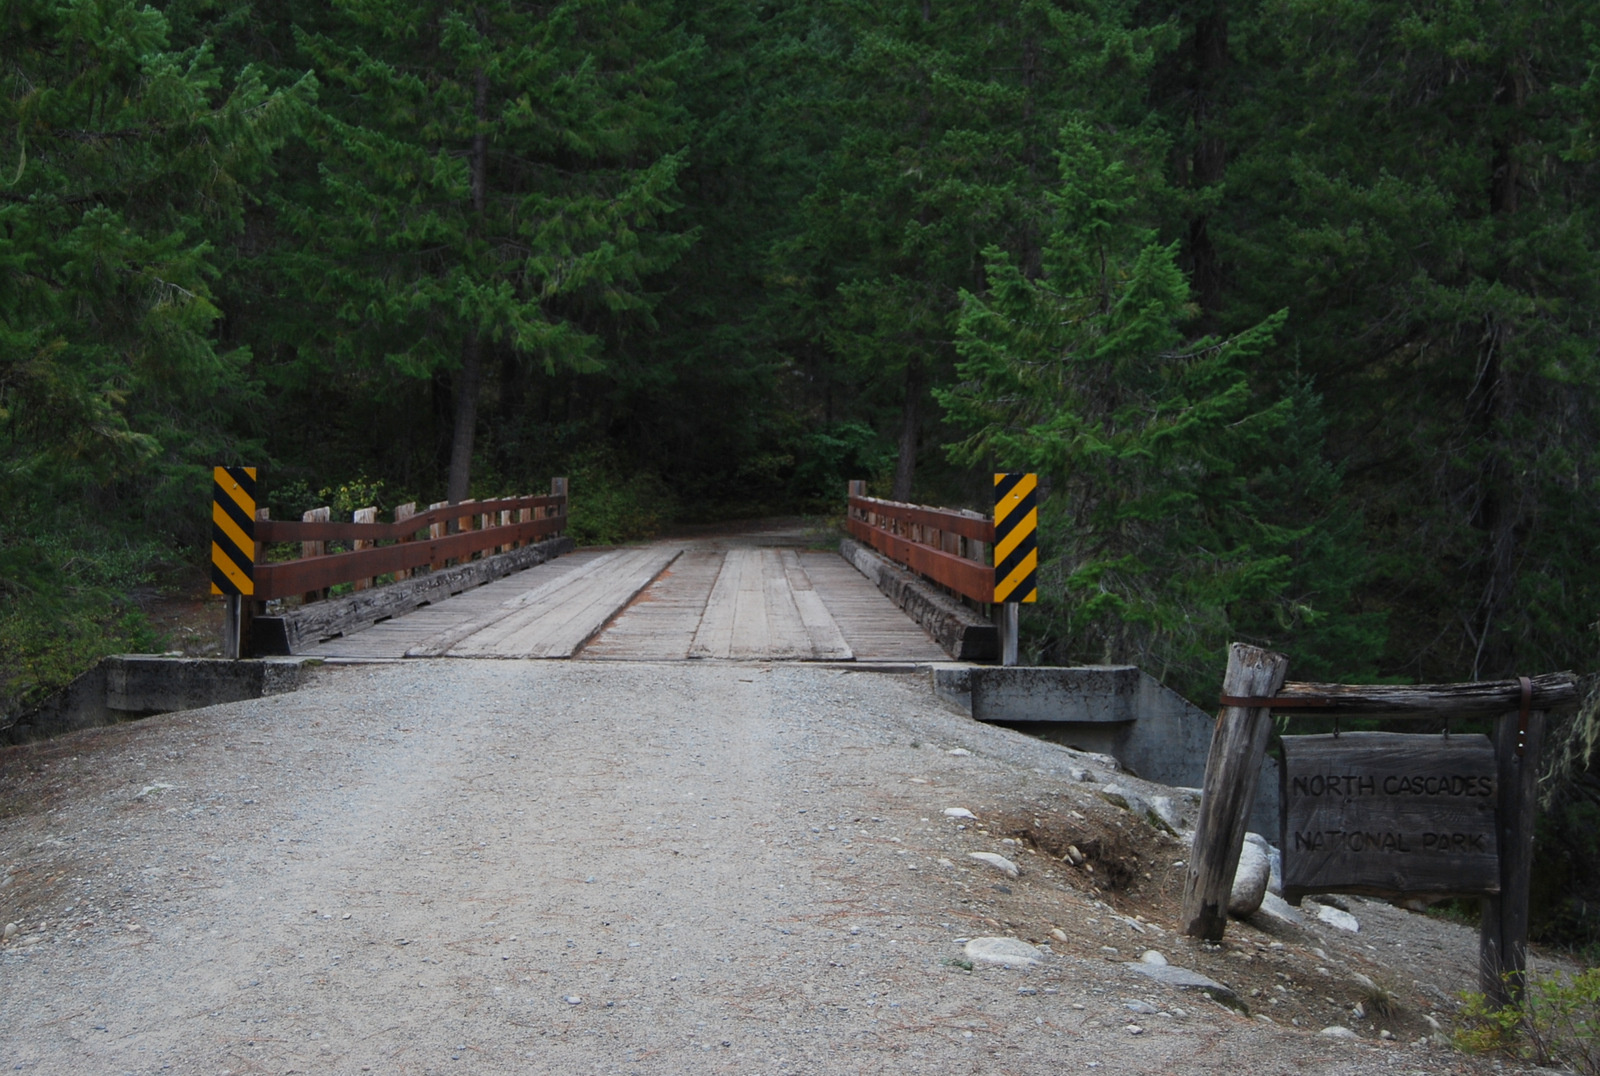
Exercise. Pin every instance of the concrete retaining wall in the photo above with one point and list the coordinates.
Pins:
(127, 686)
(1116, 710)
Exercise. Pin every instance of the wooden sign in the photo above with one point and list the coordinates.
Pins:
(1389, 815)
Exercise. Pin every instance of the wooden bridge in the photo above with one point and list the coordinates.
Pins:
(500, 579)
(759, 596)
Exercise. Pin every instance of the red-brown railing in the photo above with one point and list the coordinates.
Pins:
(947, 545)
(431, 539)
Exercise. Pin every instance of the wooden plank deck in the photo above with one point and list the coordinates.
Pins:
(393, 638)
(560, 619)
(716, 600)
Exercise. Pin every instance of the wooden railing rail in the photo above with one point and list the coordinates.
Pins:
(947, 545)
(414, 541)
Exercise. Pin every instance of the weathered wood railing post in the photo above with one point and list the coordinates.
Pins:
(402, 513)
(1503, 934)
(1233, 767)
(314, 549)
(363, 515)
(436, 531)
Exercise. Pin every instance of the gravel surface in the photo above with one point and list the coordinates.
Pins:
(439, 866)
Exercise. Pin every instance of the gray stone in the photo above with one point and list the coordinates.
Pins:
(1334, 917)
(1337, 1032)
(1150, 956)
(1250, 880)
(1275, 908)
(1143, 1008)
(998, 862)
(1184, 979)
(1012, 952)
(958, 812)
(1121, 796)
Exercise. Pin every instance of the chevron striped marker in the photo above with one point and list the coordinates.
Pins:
(1016, 542)
(233, 531)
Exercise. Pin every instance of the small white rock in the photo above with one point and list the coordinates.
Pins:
(1150, 956)
(573, 999)
(1134, 1029)
(1337, 1032)
(958, 812)
(998, 862)
(1012, 951)
(1334, 917)
(958, 751)
(11, 931)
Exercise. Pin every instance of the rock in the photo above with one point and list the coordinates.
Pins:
(1058, 934)
(1073, 856)
(1249, 881)
(1012, 952)
(1105, 762)
(1184, 979)
(1336, 918)
(1118, 796)
(1163, 808)
(1337, 1032)
(958, 751)
(1276, 908)
(1078, 773)
(1150, 956)
(10, 931)
(959, 812)
(1143, 1008)
(1134, 1029)
(998, 862)
(573, 999)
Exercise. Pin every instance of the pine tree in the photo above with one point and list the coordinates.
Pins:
(1183, 507)
(495, 183)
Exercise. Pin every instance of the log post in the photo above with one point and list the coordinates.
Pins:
(314, 549)
(437, 531)
(402, 513)
(558, 488)
(1503, 934)
(1233, 767)
(363, 515)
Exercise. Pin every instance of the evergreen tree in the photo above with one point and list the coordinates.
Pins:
(494, 184)
(1183, 508)
(126, 162)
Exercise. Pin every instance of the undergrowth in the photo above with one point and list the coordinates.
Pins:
(1557, 1023)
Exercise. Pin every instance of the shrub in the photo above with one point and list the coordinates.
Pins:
(1557, 1023)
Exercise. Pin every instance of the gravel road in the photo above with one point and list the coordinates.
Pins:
(564, 867)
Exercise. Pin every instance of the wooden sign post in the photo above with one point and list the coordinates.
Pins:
(1383, 814)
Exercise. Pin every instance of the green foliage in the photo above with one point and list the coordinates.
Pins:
(1184, 506)
(611, 505)
(1557, 1023)
(66, 599)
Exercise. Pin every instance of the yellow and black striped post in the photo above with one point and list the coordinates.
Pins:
(1016, 552)
(233, 547)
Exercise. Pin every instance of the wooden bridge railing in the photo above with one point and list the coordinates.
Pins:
(946, 545)
(431, 539)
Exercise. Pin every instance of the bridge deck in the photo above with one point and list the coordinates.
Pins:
(720, 599)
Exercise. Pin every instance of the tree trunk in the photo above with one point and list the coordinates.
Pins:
(1209, 164)
(470, 377)
(910, 418)
(466, 417)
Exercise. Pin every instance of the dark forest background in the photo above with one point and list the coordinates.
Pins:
(1293, 304)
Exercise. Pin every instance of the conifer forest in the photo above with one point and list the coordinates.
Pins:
(1294, 305)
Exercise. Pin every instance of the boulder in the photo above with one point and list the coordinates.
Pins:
(1250, 880)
